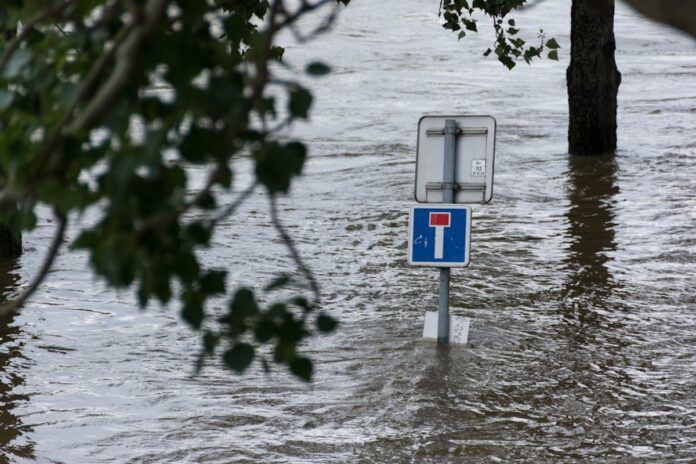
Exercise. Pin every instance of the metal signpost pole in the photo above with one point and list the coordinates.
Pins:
(450, 133)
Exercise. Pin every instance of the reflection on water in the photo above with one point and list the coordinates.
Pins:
(591, 220)
(11, 427)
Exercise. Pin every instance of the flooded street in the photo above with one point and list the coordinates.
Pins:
(581, 289)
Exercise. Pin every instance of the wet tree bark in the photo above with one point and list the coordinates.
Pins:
(593, 79)
(10, 245)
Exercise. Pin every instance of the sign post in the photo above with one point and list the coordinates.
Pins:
(447, 197)
(441, 236)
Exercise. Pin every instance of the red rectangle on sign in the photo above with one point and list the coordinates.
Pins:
(439, 219)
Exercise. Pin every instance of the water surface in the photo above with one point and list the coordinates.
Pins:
(581, 287)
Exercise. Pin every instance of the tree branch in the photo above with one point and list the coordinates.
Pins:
(305, 8)
(325, 25)
(87, 86)
(260, 82)
(127, 56)
(290, 244)
(13, 306)
(232, 207)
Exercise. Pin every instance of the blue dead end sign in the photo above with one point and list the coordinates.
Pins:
(439, 236)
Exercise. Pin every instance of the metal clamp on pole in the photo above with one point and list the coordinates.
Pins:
(467, 131)
(458, 187)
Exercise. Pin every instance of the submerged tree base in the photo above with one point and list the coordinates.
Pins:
(593, 79)
(10, 245)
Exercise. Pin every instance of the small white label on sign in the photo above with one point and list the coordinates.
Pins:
(478, 168)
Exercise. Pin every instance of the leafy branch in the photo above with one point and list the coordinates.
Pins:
(74, 81)
(460, 15)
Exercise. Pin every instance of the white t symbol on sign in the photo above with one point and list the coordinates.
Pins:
(439, 221)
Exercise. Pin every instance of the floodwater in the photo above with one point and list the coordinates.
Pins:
(581, 288)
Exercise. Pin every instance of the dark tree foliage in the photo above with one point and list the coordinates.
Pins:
(77, 75)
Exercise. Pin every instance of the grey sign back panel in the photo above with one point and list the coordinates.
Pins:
(474, 160)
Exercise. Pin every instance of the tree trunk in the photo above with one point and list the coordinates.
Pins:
(593, 79)
(10, 245)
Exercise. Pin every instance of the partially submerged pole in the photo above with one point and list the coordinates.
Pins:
(450, 133)
(454, 164)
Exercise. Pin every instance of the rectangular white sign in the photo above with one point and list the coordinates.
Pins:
(474, 159)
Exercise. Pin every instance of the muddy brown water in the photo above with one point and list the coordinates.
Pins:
(581, 288)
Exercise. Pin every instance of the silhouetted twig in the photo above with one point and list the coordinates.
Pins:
(290, 244)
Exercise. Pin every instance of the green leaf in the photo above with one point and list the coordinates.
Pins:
(264, 330)
(244, 304)
(300, 102)
(6, 99)
(552, 44)
(317, 69)
(326, 323)
(200, 144)
(302, 368)
(518, 43)
(17, 62)
(193, 309)
(206, 201)
(235, 27)
(199, 233)
(186, 265)
(239, 357)
(213, 282)
(277, 164)
(278, 282)
(285, 352)
(302, 303)
(277, 52)
(507, 61)
(553, 55)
